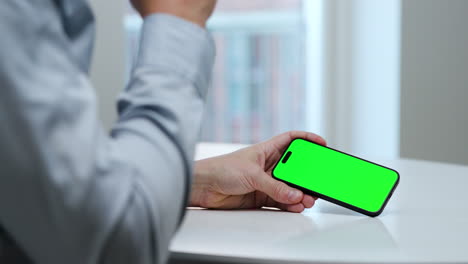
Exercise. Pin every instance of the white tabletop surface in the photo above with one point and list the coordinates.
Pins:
(425, 221)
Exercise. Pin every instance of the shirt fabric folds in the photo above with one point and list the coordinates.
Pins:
(69, 191)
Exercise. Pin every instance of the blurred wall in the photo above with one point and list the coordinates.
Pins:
(375, 69)
(362, 76)
(108, 66)
(434, 80)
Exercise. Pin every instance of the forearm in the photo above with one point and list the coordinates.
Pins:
(181, 74)
(160, 116)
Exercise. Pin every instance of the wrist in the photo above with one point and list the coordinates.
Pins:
(196, 12)
(201, 176)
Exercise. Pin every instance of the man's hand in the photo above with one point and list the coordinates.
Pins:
(196, 11)
(242, 179)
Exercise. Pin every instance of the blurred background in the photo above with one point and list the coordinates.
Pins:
(259, 77)
(379, 79)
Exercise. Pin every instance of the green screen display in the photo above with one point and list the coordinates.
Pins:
(328, 172)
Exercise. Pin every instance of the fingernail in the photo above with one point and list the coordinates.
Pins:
(294, 195)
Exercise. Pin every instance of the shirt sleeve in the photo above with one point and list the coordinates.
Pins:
(70, 192)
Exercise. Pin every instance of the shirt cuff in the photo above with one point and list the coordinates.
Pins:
(179, 46)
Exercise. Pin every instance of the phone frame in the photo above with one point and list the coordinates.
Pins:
(333, 200)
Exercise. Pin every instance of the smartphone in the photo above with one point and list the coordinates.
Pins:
(335, 176)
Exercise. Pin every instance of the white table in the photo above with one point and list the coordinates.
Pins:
(425, 221)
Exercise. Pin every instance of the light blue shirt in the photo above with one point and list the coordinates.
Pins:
(69, 191)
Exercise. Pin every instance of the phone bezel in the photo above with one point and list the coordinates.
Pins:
(331, 199)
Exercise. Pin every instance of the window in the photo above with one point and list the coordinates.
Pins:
(259, 84)
(330, 67)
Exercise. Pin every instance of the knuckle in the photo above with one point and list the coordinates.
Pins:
(279, 191)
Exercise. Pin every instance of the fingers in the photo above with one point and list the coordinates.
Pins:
(275, 146)
(308, 201)
(294, 208)
(278, 191)
(283, 140)
(308, 136)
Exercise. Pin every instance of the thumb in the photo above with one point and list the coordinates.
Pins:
(278, 191)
